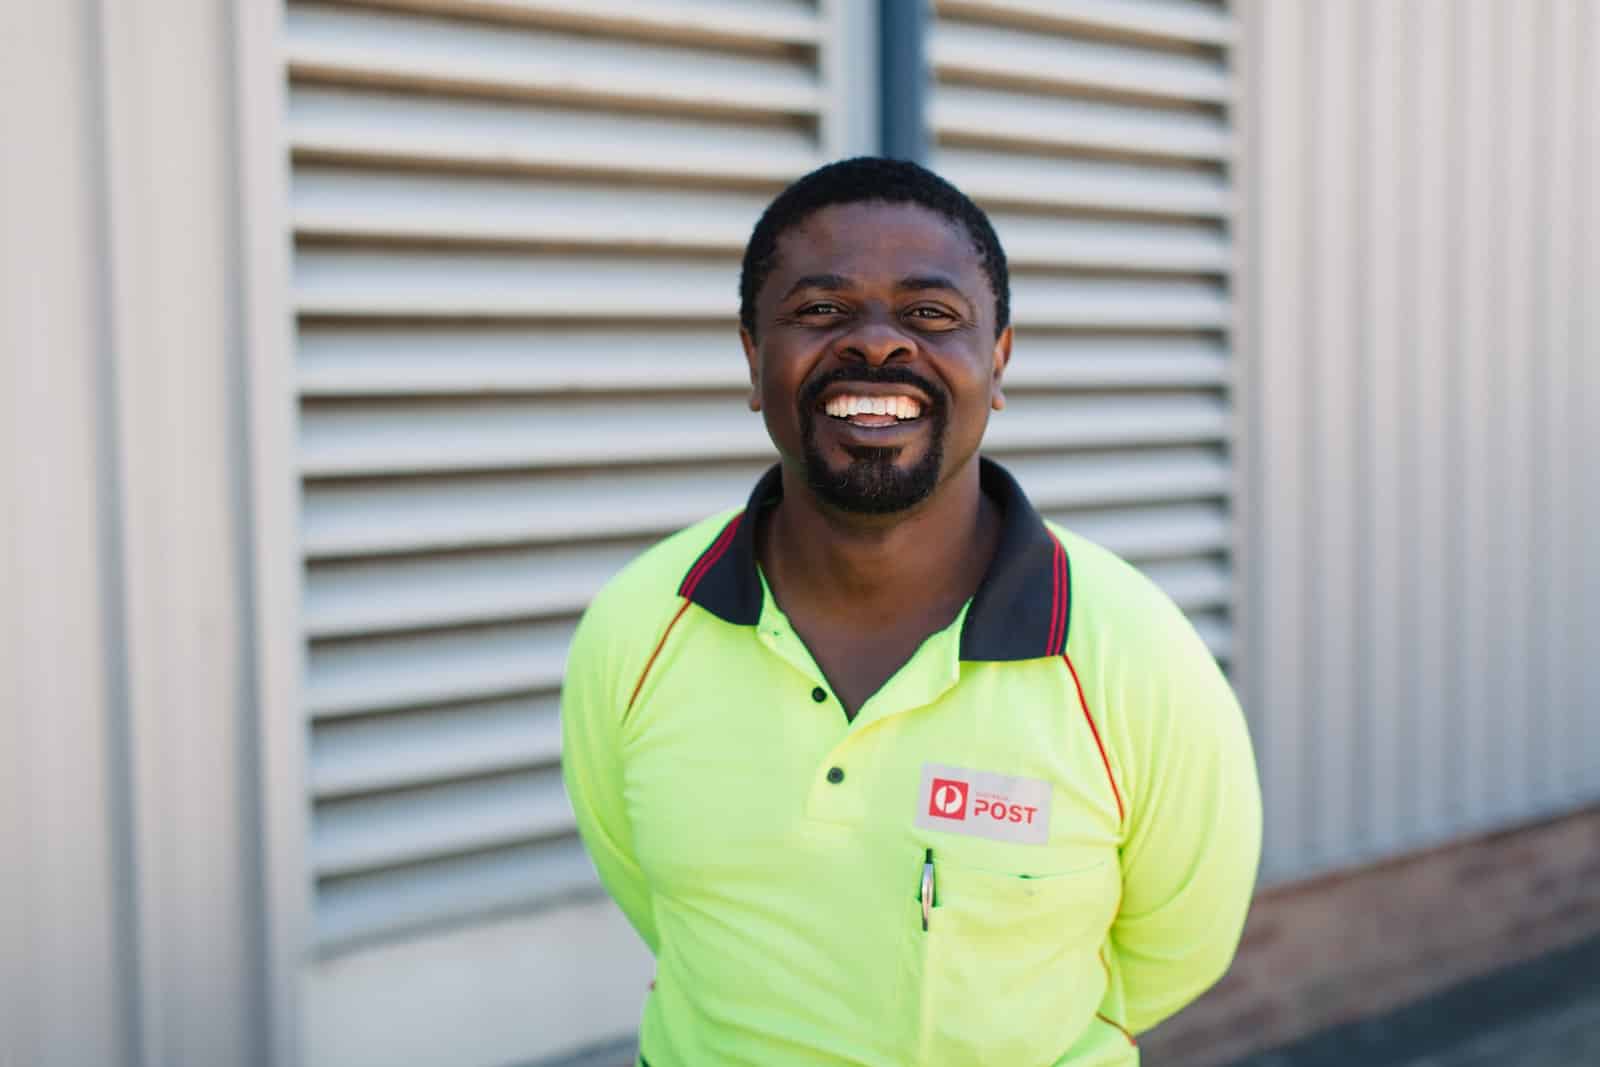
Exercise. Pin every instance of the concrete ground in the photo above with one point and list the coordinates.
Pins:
(1545, 1013)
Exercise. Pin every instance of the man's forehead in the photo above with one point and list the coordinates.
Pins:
(872, 237)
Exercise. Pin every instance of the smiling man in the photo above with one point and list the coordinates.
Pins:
(882, 767)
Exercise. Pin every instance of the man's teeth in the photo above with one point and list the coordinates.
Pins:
(901, 407)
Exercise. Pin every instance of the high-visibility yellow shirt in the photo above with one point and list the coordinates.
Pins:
(1036, 840)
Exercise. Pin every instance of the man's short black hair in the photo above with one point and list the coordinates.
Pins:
(864, 179)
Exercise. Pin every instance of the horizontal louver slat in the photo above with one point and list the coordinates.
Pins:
(727, 23)
(975, 53)
(366, 906)
(428, 745)
(1042, 241)
(444, 513)
(1153, 533)
(1188, 21)
(1088, 480)
(330, 44)
(392, 128)
(1066, 301)
(367, 674)
(1194, 585)
(972, 115)
(341, 203)
(355, 360)
(1066, 183)
(1103, 362)
(429, 591)
(389, 829)
(365, 282)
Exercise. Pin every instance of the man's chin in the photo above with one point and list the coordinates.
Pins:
(872, 485)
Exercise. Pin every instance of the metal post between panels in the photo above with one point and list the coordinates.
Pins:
(903, 74)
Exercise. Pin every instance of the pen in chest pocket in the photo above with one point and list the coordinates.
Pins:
(927, 887)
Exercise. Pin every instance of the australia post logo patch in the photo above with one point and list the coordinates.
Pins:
(982, 804)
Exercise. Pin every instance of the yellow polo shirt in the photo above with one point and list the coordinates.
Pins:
(1064, 766)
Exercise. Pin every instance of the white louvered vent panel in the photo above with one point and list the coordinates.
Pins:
(517, 230)
(1098, 135)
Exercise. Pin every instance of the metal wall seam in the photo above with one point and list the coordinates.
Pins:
(1565, 746)
(264, 232)
(1281, 506)
(1383, 98)
(903, 69)
(1245, 372)
(1587, 516)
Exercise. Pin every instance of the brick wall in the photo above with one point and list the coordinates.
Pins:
(1356, 943)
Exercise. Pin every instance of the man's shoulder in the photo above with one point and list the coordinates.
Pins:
(648, 584)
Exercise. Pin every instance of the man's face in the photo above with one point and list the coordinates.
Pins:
(877, 361)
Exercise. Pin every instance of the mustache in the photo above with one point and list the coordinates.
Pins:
(813, 389)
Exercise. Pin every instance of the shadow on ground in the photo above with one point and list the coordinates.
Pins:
(1545, 1013)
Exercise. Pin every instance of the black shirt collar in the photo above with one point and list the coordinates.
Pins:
(1020, 611)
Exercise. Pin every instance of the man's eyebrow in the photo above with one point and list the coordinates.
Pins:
(818, 281)
(928, 281)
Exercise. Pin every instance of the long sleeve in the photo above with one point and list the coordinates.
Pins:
(592, 705)
(1193, 841)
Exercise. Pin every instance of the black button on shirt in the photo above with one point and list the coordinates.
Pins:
(819, 694)
(836, 775)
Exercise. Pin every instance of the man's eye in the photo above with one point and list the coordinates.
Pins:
(821, 307)
(931, 313)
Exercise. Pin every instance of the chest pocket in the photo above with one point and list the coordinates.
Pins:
(1011, 973)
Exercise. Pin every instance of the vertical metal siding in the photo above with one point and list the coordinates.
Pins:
(134, 924)
(1099, 137)
(1426, 393)
(517, 228)
(65, 965)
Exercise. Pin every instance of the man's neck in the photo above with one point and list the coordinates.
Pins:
(881, 570)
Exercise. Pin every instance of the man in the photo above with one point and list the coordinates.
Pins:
(884, 769)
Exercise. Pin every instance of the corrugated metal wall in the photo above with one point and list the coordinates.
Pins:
(1425, 420)
(1098, 136)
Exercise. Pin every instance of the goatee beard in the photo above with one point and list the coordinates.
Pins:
(872, 483)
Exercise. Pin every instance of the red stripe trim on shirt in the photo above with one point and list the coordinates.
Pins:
(1102, 1016)
(1058, 598)
(712, 554)
(1112, 1022)
(651, 662)
(1095, 730)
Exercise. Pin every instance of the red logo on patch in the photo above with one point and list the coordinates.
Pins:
(948, 799)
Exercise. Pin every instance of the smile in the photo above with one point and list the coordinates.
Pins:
(873, 410)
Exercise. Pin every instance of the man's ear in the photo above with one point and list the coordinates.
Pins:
(1002, 359)
(753, 358)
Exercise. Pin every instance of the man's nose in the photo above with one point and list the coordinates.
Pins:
(876, 343)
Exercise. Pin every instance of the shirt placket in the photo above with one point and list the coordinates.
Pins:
(842, 783)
